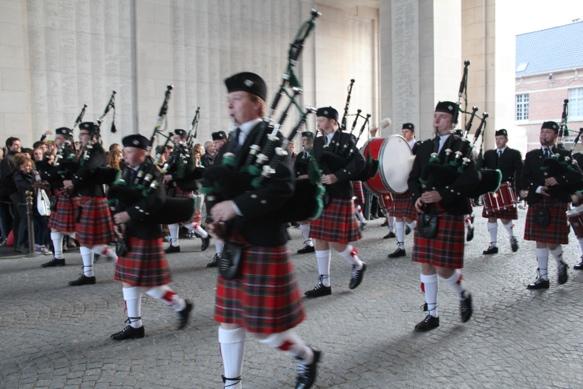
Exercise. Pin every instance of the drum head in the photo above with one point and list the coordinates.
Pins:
(396, 163)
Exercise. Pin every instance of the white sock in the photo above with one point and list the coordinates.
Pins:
(290, 342)
(508, 226)
(167, 295)
(455, 282)
(557, 253)
(323, 259)
(429, 285)
(305, 230)
(412, 225)
(87, 257)
(103, 249)
(351, 257)
(390, 223)
(232, 342)
(200, 231)
(133, 299)
(493, 230)
(57, 238)
(359, 215)
(174, 229)
(542, 257)
(400, 231)
(219, 246)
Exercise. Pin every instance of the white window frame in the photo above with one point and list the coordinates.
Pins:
(522, 104)
(576, 103)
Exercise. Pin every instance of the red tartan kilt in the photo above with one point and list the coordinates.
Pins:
(557, 232)
(404, 206)
(266, 298)
(506, 214)
(358, 192)
(95, 225)
(62, 218)
(447, 248)
(144, 264)
(337, 223)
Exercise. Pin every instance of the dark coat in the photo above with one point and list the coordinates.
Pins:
(509, 163)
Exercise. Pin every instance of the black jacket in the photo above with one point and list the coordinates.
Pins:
(341, 158)
(259, 224)
(23, 183)
(86, 182)
(301, 163)
(455, 196)
(509, 163)
(533, 176)
(7, 169)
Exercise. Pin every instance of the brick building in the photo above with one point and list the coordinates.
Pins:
(549, 69)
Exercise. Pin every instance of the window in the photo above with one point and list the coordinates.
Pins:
(575, 103)
(522, 106)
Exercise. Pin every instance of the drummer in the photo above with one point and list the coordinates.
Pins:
(509, 162)
(404, 206)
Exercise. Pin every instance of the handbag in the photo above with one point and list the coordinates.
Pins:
(230, 261)
(43, 203)
(427, 225)
(542, 217)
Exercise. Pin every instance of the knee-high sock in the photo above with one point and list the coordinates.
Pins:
(429, 288)
(200, 231)
(390, 223)
(219, 246)
(508, 226)
(103, 249)
(400, 233)
(290, 342)
(412, 225)
(174, 229)
(557, 253)
(167, 295)
(133, 298)
(57, 238)
(87, 257)
(455, 282)
(232, 342)
(542, 257)
(359, 215)
(493, 230)
(580, 240)
(305, 230)
(350, 255)
(323, 259)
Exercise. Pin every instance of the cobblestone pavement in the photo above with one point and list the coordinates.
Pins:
(54, 336)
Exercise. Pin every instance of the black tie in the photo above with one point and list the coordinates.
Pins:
(499, 153)
(436, 141)
(546, 153)
(237, 145)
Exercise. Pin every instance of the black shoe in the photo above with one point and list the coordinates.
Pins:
(362, 226)
(389, 235)
(235, 381)
(470, 234)
(214, 262)
(490, 250)
(54, 262)
(129, 332)
(204, 243)
(306, 249)
(514, 244)
(466, 308)
(407, 230)
(563, 275)
(579, 266)
(539, 283)
(399, 252)
(184, 315)
(82, 280)
(319, 291)
(427, 324)
(357, 276)
(307, 373)
(172, 249)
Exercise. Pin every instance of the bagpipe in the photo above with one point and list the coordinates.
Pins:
(145, 191)
(334, 158)
(65, 164)
(238, 173)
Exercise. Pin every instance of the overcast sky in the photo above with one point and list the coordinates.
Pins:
(532, 15)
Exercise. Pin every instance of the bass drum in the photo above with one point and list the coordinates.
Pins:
(395, 163)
